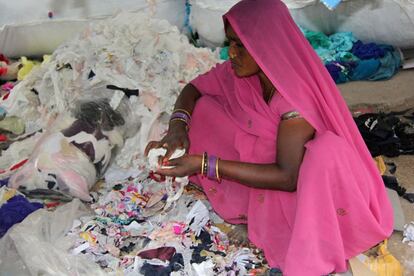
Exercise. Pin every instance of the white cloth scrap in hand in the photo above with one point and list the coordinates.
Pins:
(155, 154)
(173, 193)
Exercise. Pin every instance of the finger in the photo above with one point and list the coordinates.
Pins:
(151, 145)
(170, 151)
(173, 162)
(186, 145)
(160, 160)
(168, 172)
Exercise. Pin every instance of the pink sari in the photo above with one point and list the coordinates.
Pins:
(340, 208)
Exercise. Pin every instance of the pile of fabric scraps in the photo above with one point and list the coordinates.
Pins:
(8, 70)
(131, 57)
(11, 126)
(14, 208)
(77, 149)
(390, 134)
(132, 231)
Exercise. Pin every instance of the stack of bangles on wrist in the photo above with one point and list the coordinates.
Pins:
(181, 115)
(210, 167)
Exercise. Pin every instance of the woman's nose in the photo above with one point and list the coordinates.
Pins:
(232, 50)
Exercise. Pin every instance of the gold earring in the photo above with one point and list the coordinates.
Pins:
(232, 55)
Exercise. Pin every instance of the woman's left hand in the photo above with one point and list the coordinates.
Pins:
(183, 166)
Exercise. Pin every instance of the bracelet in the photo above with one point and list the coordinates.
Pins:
(205, 166)
(179, 119)
(217, 170)
(182, 110)
(181, 115)
(203, 162)
(211, 172)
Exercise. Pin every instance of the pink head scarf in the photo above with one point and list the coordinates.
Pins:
(278, 46)
(269, 33)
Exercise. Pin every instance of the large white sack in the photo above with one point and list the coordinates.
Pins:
(381, 21)
(26, 29)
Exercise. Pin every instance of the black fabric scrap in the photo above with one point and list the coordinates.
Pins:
(63, 66)
(176, 264)
(409, 197)
(392, 168)
(391, 182)
(117, 187)
(91, 75)
(390, 134)
(205, 244)
(127, 92)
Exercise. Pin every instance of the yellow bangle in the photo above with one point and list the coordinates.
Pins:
(202, 164)
(182, 110)
(217, 170)
(179, 119)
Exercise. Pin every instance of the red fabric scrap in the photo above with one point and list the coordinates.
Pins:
(18, 165)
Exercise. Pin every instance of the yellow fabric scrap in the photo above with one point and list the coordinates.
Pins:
(88, 237)
(225, 228)
(9, 193)
(379, 161)
(384, 263)
(29, 65)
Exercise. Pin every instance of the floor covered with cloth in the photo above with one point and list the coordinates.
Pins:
(402, 251)
(391, 95)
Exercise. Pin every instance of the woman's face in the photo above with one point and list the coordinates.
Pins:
(242, 62)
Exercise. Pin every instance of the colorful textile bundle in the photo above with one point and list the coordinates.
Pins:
(349, 59)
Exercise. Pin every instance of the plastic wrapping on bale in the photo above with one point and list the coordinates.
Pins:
(78, 147)
(39, 245)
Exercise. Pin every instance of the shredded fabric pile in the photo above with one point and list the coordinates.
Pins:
(133, 232)
(73, 106)
(128, 55)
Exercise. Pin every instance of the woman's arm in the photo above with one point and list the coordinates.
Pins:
(187, 98)
(177, 132)
(282, 175)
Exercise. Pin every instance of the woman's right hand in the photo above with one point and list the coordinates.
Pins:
(176, 138)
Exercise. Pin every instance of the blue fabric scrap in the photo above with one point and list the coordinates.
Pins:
(390, 64)
(365, 69)
(15, 210)
(4, 182)
(367, 51)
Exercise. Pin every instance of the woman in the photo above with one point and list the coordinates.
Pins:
(284, 156)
